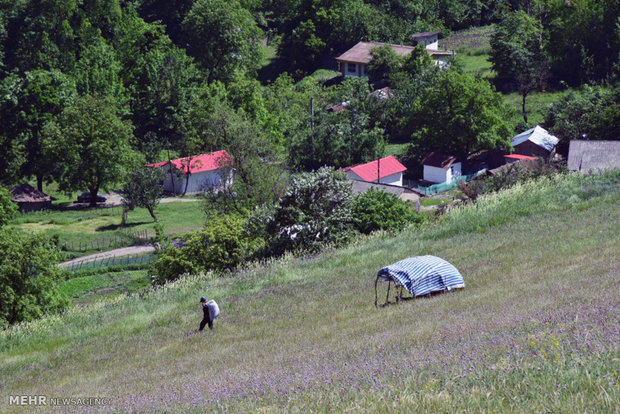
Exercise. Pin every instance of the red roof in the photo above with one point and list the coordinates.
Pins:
(199, 163)
(368, 172)
(519, 157)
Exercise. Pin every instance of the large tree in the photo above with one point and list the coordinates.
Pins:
(223, 37)
(458, 114)
(517, 54)
(90, 145)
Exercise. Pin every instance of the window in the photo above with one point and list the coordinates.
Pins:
(351, 67)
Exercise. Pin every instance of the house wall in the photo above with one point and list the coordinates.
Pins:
(353, 69)
(199, 182)
(442, 61)
(394, 179)
(531, 149)
(440, 175)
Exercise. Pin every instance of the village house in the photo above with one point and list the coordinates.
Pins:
(198, 173)
(353, 62)
(535, 142)
(441, 168)
(593, 156)
(29, 198)
(385, 170)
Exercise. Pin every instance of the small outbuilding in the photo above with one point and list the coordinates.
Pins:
(386, 170)
(420, 276)
(535, 142)
(441, 168)
(593, 156)
(198, 173)
(29, 198)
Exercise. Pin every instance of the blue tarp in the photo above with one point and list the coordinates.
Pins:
(423, 274)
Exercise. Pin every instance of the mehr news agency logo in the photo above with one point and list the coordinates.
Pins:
(44, 400)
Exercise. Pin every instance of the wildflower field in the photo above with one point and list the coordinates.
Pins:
(535, 330)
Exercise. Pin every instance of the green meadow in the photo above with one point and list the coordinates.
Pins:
(534, 330)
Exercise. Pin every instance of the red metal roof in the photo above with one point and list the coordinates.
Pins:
(519, 157)
(368, 172)
(199, 163)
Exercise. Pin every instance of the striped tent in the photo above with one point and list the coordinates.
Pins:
(421, 275)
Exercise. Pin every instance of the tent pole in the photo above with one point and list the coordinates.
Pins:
(387, 297)
(376, 281)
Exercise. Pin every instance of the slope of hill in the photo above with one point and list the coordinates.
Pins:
(536, 328)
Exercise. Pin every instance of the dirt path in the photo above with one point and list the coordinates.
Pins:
(125, 251)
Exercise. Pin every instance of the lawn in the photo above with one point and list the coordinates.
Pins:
(535, 329)
(537, 104)
(90, 230)
(95, 287)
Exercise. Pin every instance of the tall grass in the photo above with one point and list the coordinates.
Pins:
(534, 330)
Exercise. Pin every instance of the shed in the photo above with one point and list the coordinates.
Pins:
(419, 276)
(441, 168)
(535, 142)
(593, 156)
(387, 170)
(200, 173)
(29, 198)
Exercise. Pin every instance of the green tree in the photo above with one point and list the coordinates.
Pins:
(28, 277)
(379, 210)
(591, 113)
(458, 114)
(223, 37)
(8, 209)
(316, 209)
(517, 54)
(143, 188)
(90, 143)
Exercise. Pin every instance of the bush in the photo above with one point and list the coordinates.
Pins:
(28, 277)
(315, 210)
(379, 210)
(222, 245)
(8, 209)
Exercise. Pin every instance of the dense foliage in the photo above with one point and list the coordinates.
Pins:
(28, 277)
(8, 209)
(143, 188)
(379, 210)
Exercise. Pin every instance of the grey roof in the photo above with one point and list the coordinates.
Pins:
(538, 136)
(597, 156)
(363, 186)
(425, 34)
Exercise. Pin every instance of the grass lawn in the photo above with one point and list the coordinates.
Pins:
(535, 329)
(537, 104)
(87, 289)
(395, 149)
(478, 65)
(98, 229)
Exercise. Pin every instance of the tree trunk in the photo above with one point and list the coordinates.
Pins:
(524, 94)
(39, 182)
(152, 213)
(93, 197)
(124, 218)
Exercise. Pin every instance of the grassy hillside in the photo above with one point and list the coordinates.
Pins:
(536, 328)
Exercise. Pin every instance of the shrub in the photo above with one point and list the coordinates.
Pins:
(379, 210)
(222, 245)
(8, 210)
(316, 209)
(28, 277)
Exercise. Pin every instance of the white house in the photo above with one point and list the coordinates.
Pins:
(199, 172)
(353, 62)
(430, 40)
(440, 168)
(384, 171)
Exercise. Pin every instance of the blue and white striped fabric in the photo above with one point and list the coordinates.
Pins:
(423, 274)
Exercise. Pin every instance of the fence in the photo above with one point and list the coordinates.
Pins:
(113, 241)
(132, 260)
(447, 186)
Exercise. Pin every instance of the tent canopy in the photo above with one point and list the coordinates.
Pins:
(421, 275)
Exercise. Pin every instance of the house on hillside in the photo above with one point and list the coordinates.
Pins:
(404, 193)
(430, 40)
(29, 198)
(385, 170)
(593, 156)
(353, 62)
(441, 168)
(535, 142)
(199, 173)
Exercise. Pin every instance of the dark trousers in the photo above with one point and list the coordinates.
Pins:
(205, 320)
